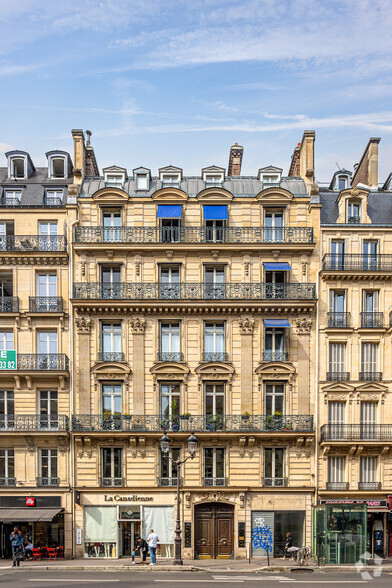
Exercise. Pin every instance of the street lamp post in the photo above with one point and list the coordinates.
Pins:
(165, 446)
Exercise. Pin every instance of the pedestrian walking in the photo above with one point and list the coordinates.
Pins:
(17, 556)
(16, 539)
(287, 545)
(142, 545)
(153, 540)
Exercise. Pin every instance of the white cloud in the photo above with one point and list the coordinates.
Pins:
(4, 147)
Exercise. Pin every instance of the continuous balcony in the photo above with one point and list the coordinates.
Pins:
(372, 320)
(7, 482)
(339, 320)
(194, 423)
(45, 304)
(193, 291)
(215, 356)
(9, 304)
(230, 235)
(20, 243)
(370, 376)
(338, 376)
(170, 356)
(275, 355)
(353, 432)
(111, 356)
(111, 482)
(42, 362)
(214, 481)
(275, 482)
(48, 482)
(357, 262)
(337, 486)
(33, 422)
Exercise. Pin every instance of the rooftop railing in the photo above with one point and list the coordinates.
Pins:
(357, 262)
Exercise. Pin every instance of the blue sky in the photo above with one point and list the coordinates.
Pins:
(178, 81)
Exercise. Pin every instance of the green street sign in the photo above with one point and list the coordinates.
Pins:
(8, 359)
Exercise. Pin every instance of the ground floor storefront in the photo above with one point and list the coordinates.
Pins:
(216, 524)
(44, 519)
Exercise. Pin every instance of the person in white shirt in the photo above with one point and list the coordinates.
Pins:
(152, 541)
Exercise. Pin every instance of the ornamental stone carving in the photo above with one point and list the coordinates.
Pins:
(31, 447)
(62, 444)
(247, 325)
(303, 325)
(138, 324)
(83, 325)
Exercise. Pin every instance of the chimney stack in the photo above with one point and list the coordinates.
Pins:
(366, 171)
(235, 160)
(302, 160)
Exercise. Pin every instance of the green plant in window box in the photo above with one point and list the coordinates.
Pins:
(245, 416)
(185, 416)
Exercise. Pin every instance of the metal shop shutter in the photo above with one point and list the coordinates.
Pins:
(263, 528)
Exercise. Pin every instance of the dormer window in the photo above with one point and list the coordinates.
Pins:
(353, 211)
(172, 181)
(270, 177)
(342, 182)
(114, 176)
(59, 164)
(57, 167)
(141, 178)
(54, 197)
(214, 181)
(141, 182)
(17, 167)
(213, 176)
(270, 181)
(113, 181)
(12, 197)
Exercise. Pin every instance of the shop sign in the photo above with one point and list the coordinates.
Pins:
(370, 502)
(30, 501)
(78, 536)
(133, 498)
(8, 359)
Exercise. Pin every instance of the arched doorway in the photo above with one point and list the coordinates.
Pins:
(214, 530)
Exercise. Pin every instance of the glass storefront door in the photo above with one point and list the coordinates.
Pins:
(340, 532)
(128, 532)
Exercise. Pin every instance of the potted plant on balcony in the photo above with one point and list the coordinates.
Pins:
(185, 416)
(127, 416)
(278, 420)
(215, 423)
(245, 416)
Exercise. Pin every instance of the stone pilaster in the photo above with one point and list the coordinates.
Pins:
(138, 327)
(303, 327)
(247, 325)
(82, 366)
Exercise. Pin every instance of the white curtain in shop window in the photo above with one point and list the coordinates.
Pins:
(100, 524)
(161, 519)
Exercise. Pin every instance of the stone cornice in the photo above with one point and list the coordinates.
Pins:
(34, 259)
(208, 307)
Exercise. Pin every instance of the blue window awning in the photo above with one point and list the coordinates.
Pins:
(211, 212)
(277, 267)
(276, 323)
(169, 210)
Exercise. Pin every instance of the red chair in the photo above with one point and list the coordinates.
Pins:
(52, 553)
(44, 551)
(37, 555)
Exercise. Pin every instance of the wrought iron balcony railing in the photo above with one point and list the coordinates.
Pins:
(110, 482)
(369, 485)
(48, 481)
(193, 291)
(215, 356)
(33, 422)
(11, 202)
(214, 481)
(170, 356)
(33, 243)
(370, 376)
(43, 361)
(267, 185)
(353, 432)
(357, 262)
(337, 485)
(214, 184)
(54, 201)
(339, 320)
(7, 482)
(114, 185)
(111, 356)
(275, 482)
(372, 320)
(338, 376)
(45, 304)
(169, 481)
(229, 235)
(353, 220)
(9, 304)
(275, 355)
(193, 423)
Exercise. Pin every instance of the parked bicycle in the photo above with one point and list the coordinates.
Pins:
(305, 557)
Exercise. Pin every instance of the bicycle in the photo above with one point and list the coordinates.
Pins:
(307, 558)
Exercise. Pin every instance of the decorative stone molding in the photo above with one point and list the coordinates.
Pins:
(303, 325)
(275, 371)
(275, 254)
(242, 499)
(137, 324)
(109, 371)
(30, 442)
(62, 444)
(217, 496)
(170, 371)
(247, 325)
(34, 259)
(188, 502)
(83, 325)
(215, 370)
(138, 266)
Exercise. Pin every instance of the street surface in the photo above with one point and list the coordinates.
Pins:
(42, 578)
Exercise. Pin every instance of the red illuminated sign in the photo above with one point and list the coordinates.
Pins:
(30, 501)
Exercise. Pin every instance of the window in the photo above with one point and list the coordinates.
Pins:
(6, 288)
(367, 469)
(337, 316)
(17, 167)
(7, 467)
(7, 241)
(114, 181)
(353, 212)
(48, 236)
(215, 231)
(369, 353)
(368, 413)
(337, 352)
(213, 181)
(169, 281)
(370, 301)
(214, 401)
(214, 466)
(270, 181)
(48, 409)
(336, 412)
(274, 399)
(273, 225)
(370, 255)
(342, 182)
(111, 342)
(142, 182)
(111, 281)
(47, 293)
(170, 397)
(214, 278)
(54, 197)
(336, 471)
(111, 466)
(214, 342)
(274, 345)
(12, 197)
(47, 342)
(57, 167)
(170, 341)
(337, 254)
(170, 181)
(48, 467)
(112, 399)
(111, 226)
(274, 467)
(168, 469)
(6, 340)
(7, 409)
(170, 230)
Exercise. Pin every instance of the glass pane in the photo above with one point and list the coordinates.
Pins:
(220, 463)
(279, 453)
(208, 463)
(268, 463)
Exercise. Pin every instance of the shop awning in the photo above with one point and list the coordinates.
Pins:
(277, 267)
(211, 212)
(18, 515)
(276, 323)
(169, 210)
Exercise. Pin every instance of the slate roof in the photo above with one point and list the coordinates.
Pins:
(33, 188)
(379, 207)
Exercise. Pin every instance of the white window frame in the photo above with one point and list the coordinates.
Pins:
(369, 357)
(112, 394)
(114, 330)
(172, 470)
(214, 462)
(65, 163)
(273, 462)
(368, 469)
(274, 394)
(336, 469)
(214, 394)
(7, 457)
(170, 179)
(6, 340)
(111, 450)
(173, 331)
(11, 169)
(56, 194)
(142, 182)
(12, 195)
(337, 357)
(51, 453)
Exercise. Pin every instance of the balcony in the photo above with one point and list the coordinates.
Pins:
(48, 482)
(169, 482)
(275, 355)
(337, 486)
(9, 304)
(111, 482)
(369, 486)
(338, 376)
(193, 291)
(357, 262)
(21, 243)
(275, 482)
(353, 432)
(43, 362)
(170, 356)
(370, 376)
(118, 185)
(45, 304)
(111, 356)
(53, 201)
(7, 482)
(214, 482)
(267, 185)
(230, 235)
(33, 422)
(372, 320)
(339, 320)
(353, 220)
(194, 423)
(215, 356)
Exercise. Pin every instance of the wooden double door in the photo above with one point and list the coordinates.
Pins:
(214, 531)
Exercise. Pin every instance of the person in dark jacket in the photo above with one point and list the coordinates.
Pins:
(16, 539)
(18, 556)
(287, 545)
(143, 547)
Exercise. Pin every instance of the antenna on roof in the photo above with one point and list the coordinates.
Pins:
(88, 133)
(335, 162)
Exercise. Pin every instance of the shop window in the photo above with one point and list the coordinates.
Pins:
(100, 531)
(161, 519)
